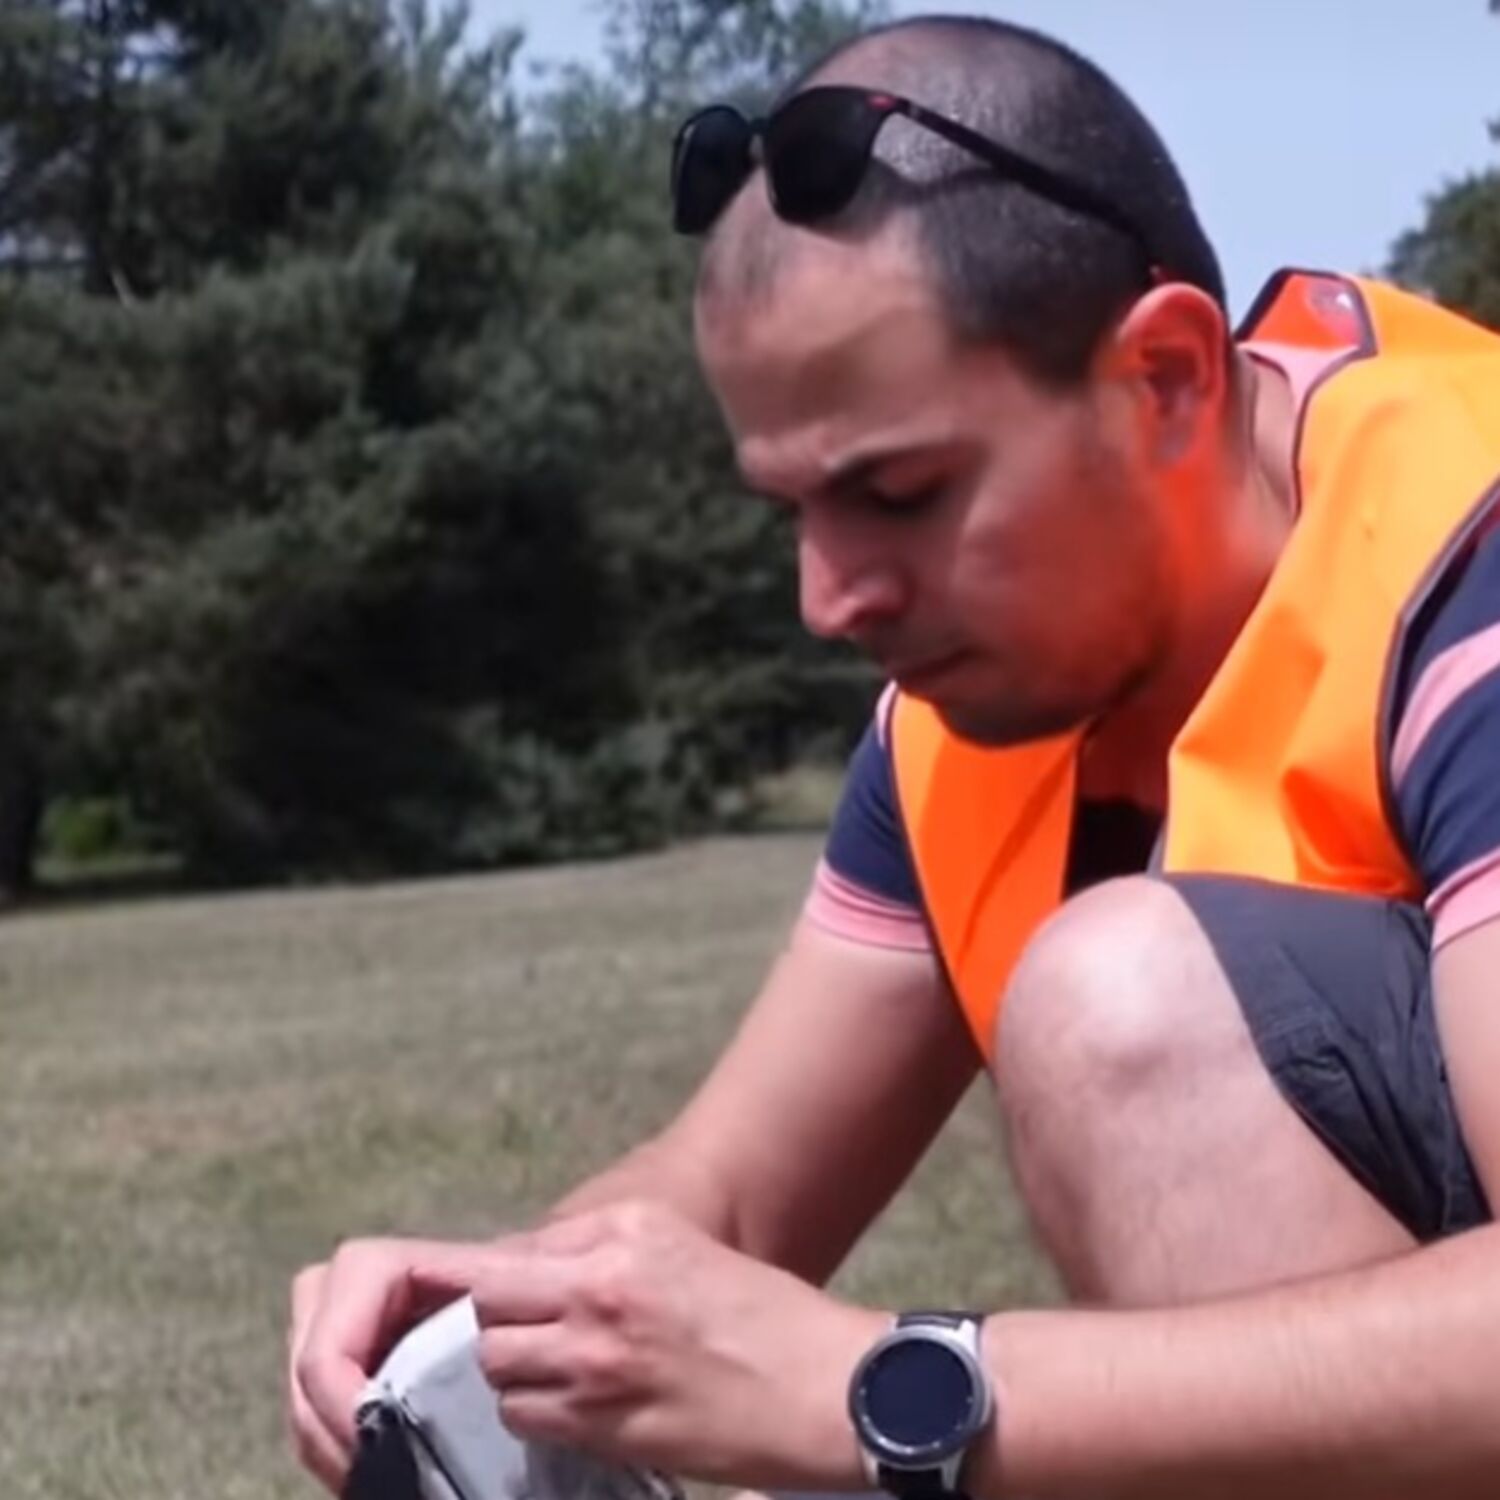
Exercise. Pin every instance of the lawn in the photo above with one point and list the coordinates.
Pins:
(200, 1095)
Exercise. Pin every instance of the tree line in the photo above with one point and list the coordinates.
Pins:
(362, 508)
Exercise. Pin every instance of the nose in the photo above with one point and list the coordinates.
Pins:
(845, 595)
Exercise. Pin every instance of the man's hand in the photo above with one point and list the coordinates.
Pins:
(795, 1142)
(346, 1316)
(626, 1331)
(631, 1333)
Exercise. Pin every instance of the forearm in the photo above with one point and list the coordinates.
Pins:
(808, 1123)
(1373, 1385)
(752, 1212)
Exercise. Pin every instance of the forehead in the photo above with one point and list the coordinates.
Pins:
(842, 340)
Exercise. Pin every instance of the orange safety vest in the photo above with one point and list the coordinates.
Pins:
(1282, 770)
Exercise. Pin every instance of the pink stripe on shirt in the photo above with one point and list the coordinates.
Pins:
(1447, 678)
(884, 711)
(1466, 899)
(847, 910)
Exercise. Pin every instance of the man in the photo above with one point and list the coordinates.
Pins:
(1118, 569)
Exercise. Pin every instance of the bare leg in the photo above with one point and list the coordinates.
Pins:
(1158, 1159)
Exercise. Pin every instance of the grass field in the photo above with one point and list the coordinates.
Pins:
(200, 1095)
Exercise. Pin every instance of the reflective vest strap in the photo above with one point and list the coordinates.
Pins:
(989, 832)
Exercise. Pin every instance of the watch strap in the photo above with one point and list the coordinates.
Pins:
(915, 1484)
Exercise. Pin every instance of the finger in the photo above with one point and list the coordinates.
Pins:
(527, 1356)
(435, 1281)
(307, 1288)
(373, 1292)
(315, 1447)
(554, 1415)
(321, 1454)
(528, 1288)
(545, 1414)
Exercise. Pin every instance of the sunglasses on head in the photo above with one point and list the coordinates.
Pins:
(816, 149)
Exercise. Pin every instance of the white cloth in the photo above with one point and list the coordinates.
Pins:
(432, 1383)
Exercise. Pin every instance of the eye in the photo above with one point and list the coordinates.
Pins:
(909, 502)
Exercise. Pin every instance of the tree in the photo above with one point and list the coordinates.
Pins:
(1455, 255)
(364, 508)
(710, 580)
(246, 271)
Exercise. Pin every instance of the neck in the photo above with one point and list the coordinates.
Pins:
(1246, 525)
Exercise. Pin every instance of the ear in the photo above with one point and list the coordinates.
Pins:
(1171, 350)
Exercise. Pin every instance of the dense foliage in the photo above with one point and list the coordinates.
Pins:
(362, 505)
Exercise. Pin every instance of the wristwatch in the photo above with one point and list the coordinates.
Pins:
(918, 1400)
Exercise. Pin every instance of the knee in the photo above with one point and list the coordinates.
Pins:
(1101, 1009)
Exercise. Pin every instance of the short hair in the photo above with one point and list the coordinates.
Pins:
(1010, 267)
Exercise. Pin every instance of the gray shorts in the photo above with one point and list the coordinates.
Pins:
(1337, 991)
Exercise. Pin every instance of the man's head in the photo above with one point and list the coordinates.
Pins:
(981, 405)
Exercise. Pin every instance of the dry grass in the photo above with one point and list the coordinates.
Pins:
(200, 1095)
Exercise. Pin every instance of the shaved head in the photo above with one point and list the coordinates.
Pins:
(1008, 266)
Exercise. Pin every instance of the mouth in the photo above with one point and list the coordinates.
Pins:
(922, 678)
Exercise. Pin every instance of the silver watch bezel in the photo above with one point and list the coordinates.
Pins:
(946, 1456)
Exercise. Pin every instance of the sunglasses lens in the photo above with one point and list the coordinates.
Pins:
(710, 162)
(817, 149)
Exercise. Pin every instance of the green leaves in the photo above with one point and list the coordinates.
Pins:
(363, 506)
(1455, 255)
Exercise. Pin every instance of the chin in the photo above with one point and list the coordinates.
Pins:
(998, 726)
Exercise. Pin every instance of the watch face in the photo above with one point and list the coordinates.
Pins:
(917, 1399)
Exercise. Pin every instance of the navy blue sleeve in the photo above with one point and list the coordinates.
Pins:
(866, 844)
(1446, 762)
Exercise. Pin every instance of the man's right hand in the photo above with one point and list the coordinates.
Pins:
(347, 1314)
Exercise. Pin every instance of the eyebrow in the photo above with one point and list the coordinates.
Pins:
(857, 472)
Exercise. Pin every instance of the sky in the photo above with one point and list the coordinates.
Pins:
(1310, 132)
